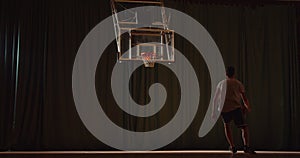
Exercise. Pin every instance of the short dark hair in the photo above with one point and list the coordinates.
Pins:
(230, 71)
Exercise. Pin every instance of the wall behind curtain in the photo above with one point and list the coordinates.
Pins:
(39, 40)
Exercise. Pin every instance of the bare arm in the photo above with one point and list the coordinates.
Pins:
(214, 107)
(246, 101)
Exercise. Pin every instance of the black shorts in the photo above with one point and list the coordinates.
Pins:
(235, 115)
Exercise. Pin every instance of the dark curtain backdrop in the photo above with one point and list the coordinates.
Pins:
(39, 40)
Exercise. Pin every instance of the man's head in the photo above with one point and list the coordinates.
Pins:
(230, 71)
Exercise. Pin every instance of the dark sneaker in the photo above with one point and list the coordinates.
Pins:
(249, 150)
(233, 149)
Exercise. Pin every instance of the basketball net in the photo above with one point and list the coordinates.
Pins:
(148, 58)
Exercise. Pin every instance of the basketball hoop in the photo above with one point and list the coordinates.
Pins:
(148, 58)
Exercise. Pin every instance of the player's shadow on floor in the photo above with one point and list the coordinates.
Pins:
(242, 155)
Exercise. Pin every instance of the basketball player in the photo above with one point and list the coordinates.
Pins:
(233, 110)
